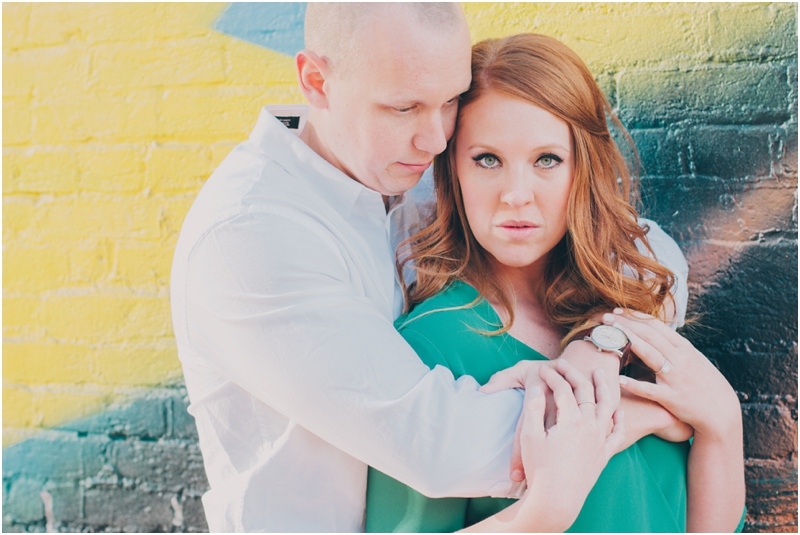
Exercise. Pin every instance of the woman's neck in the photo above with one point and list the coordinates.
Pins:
(531, 325)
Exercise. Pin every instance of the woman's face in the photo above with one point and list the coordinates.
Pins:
(515, 165)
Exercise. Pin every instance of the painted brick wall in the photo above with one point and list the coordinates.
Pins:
(115, 114)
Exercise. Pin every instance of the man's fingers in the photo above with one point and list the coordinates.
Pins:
(504, 380)
(532, 413)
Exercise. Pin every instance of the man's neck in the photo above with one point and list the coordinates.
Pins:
(309, 137)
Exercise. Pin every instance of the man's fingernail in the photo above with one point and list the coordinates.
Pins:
(617, 311)
(517, 475)
(609, 318)
(623, 380)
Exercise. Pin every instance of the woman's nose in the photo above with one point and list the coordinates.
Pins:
(518, 190)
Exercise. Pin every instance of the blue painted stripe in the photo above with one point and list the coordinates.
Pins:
(274, 25)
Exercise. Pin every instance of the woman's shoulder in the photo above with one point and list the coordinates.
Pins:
(458, 308)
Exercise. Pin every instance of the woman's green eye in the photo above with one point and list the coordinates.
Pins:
(548, 161)
(489, 161)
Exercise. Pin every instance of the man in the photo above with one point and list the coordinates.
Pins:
(283, 290)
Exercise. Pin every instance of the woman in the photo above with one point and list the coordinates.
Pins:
(533, 232)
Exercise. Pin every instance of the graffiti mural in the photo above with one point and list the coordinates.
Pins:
(115, 114)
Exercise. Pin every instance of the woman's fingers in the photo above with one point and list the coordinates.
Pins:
(651, 356)
(651, 330)
(616, 440)
(533, 425)
(582, 388)
(605, 402)
(643, 389)
(562, 393)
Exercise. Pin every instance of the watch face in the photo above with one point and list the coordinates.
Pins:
(609, 337)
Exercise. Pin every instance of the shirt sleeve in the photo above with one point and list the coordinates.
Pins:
(273, 304)
(670, 256)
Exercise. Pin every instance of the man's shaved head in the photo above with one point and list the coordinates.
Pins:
(383, 82)
(337, 31)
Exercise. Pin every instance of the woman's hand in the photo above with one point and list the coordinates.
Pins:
(564, 461)
(692, 389)
(687, 384)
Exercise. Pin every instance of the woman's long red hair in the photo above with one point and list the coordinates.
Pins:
(584, 274)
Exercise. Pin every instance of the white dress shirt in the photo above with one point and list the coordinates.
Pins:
(283, 297)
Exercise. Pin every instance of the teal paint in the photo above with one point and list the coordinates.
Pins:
(274, 25)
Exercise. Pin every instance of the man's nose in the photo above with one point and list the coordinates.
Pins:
(432, 134)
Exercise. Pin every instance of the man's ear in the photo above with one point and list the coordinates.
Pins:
(312, 71)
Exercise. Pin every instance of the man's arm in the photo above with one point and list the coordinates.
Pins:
(272, 304)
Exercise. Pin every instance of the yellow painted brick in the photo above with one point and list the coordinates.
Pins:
(15, 20)
(753, 26)
(53, 24)
(40, 171)
(17, 407)
(219, 151)
(22, 317)
(55, 408)
(19, 214)
(606, 36)
(210, 114)
(18, 76)
(101, 318)
(157, 63)
(175, 169)
(89, 263)
(111, 169)
(143, 264)
(136, 366)
(57, 72)
(43, 363)
(95, 216)
(105, 116)
(250, 64)
(27, 270)
(101, 22)
(17, 121)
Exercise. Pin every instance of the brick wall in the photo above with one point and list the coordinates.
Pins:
(115, 114)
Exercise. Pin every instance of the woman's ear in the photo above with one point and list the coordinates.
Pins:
(312, 71)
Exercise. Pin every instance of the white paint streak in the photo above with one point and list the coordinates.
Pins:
(177, 518)
(47, 500)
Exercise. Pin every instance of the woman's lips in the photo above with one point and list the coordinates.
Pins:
(518, 230)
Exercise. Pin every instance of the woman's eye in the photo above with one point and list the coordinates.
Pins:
(405, 110)
(488, 161)
(549, 160)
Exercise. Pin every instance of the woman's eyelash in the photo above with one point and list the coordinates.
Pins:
(480, 160)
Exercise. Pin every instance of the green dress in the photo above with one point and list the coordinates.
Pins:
(642, 489)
